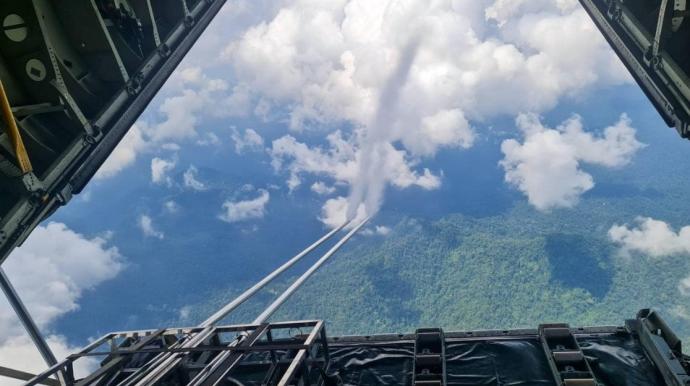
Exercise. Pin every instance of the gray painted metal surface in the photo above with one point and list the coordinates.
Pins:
(652, 38)
(78, 74)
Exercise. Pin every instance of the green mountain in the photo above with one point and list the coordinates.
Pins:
(513, 270)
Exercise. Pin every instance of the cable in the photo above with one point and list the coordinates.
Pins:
(288, 292)
(220, 314)
(165, 362)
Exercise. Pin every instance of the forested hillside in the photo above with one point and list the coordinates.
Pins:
(514, 270)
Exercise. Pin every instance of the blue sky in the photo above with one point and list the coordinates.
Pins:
(289, 117)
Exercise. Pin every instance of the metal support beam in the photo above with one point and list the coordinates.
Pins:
(662, 346)
(24, 376)
(663, 27)
(26, 319)
(219, 368)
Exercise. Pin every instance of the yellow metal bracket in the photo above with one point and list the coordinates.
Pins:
(13, 133)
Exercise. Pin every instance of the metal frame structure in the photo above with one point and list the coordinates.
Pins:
(651, 38)
(166, 361)
(662, 346)
(298, 353)
(78, 74)
(129, 355)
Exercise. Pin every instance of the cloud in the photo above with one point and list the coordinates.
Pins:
(379, 230)
(334, 213)
(209, 139)
(145, 223)
(160, 169)
(446, 128)
(684, 287)
(322, 189)
(235, 211)
(171, 146)
(546, 166)
(197, 95)
(185, 312)
(20, 353)
(407, 97)
(124, 155)
(401, 79)
(336, 161)
(341, 161)
(191, 181)
(189, 97)
(70, 264)
(249, 141)
(651, 237)
(503, 10)
(382, 230)
(171, 206)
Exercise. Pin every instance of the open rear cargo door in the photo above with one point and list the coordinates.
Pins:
(77, 74)
(652, 37)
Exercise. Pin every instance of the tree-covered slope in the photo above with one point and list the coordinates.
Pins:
(513, 270)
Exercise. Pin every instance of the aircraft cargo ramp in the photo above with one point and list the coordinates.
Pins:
(300, 353)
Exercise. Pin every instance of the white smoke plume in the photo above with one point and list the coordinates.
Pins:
(369, 185)
(330, 65)
(405, 98)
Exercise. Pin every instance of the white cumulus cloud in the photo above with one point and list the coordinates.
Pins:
(209, 139)
(235, 211)
(342, 161)
(546, 166)
(654, 238)
(51, 271)
(406, 78)
(124, 155)
(413, 74)
(191, 180)
(192, 96)
(684, 288)
(145, 223)
(379, 230)
(250, 140)
(321, 188)
(171, 206)
(160, 169)
(334, 213)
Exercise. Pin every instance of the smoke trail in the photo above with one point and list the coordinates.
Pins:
(369, 186)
